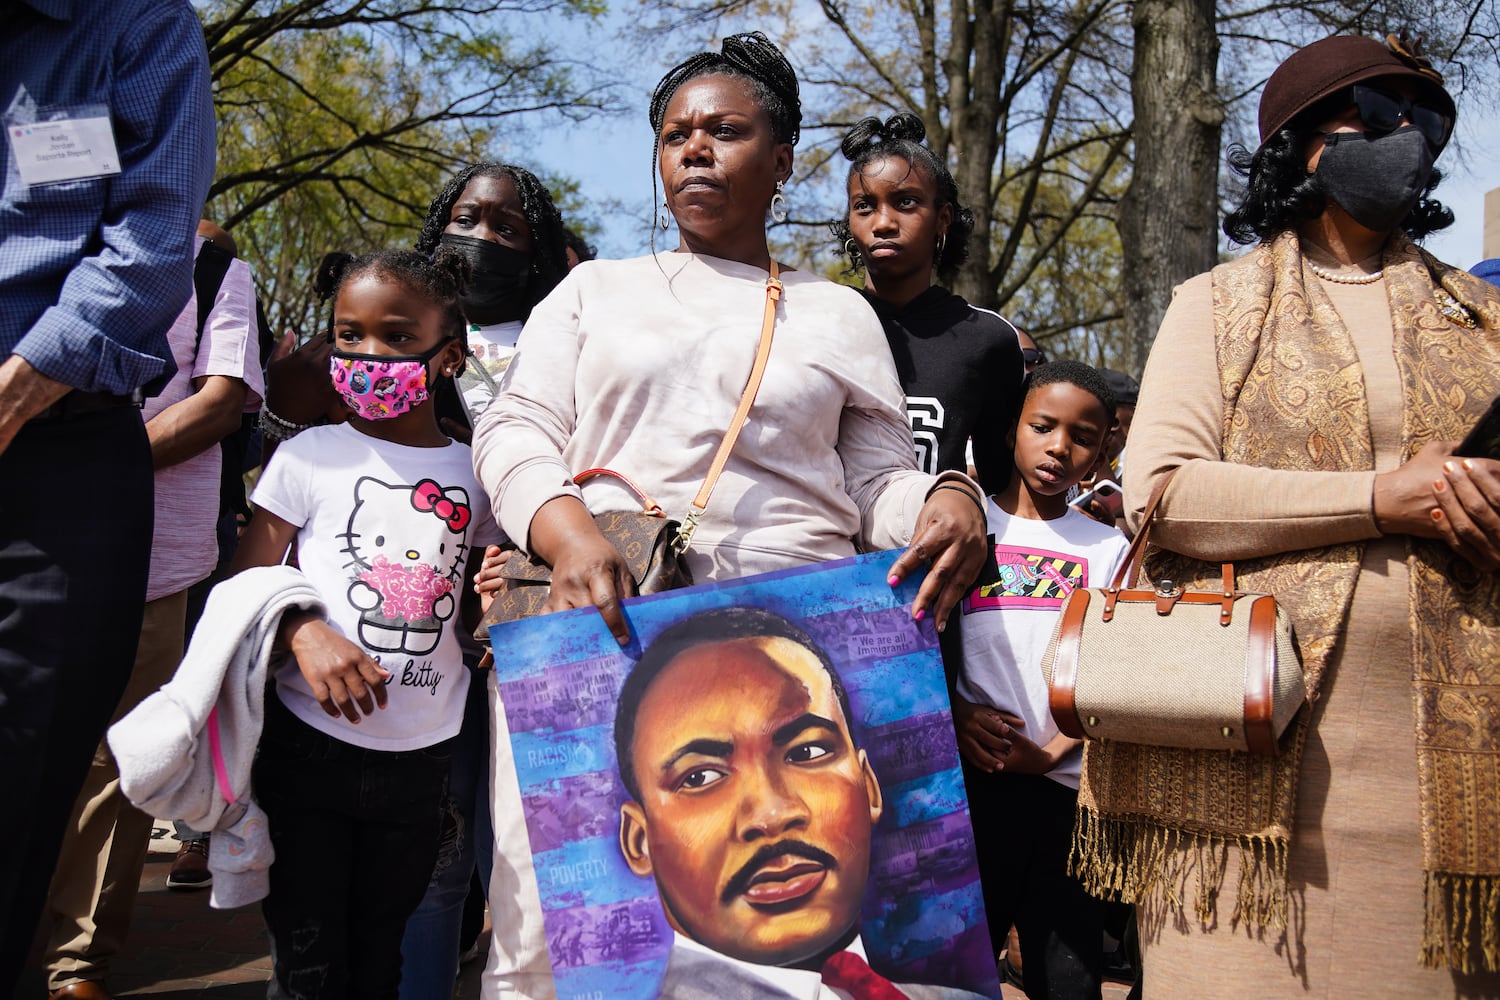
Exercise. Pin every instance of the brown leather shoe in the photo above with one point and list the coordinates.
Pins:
(190, 867)
(80, 991)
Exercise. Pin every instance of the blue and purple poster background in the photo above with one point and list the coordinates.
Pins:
(559, 677)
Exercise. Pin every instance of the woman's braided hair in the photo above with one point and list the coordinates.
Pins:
(549, 259)
(901, 135)
(752, 57)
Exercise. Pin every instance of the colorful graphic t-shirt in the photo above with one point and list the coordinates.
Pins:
(384, 533)
(1006, 625)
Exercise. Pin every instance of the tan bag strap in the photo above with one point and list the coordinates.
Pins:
(1130, 570)
(747, 399)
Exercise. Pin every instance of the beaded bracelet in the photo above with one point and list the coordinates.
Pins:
(960, 488)
(277, 428)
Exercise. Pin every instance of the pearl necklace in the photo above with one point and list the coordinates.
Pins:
(1345, 279)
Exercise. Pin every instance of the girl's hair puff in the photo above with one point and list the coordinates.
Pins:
(902, 135)
(549, 259)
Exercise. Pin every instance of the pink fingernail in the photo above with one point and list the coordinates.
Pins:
(1468, 465)
(892, 580)
(922, 613)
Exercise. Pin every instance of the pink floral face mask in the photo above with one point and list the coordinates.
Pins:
(381, 386)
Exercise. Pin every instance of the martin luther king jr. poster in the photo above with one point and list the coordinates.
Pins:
(759, 797)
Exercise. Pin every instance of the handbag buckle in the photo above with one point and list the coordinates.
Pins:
(1167, 594)
(684, 539)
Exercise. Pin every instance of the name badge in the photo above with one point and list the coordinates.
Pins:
(64, 149)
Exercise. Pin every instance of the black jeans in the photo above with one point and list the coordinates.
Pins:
(356, 835)
(75, 543)
(1023, 831)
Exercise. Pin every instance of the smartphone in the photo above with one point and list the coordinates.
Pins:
(1104, 489)
(1483, 441)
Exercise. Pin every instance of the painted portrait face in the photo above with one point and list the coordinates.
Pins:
(756, 809)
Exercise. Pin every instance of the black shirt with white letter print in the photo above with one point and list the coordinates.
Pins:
(961, 370)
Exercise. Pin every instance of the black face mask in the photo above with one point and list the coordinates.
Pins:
(497, 292)
(1377, 179)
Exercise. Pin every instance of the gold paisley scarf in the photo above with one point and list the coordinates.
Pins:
(1154, 819)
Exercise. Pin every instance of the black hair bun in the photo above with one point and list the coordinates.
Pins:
(867, 133)
(904, 125)
(331, 270)
(864, 133)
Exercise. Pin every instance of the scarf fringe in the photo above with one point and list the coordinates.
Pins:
(1131, 859)
(1462, 926)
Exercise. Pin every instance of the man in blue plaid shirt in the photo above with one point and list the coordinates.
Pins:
(109, 153)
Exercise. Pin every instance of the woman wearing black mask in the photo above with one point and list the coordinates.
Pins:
(502, 218)
(1306, 400)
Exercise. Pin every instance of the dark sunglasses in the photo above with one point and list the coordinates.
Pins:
(1033, 356)
(1382, 113)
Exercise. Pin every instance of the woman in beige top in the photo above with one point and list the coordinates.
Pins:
(1308, 397)
(637, 366)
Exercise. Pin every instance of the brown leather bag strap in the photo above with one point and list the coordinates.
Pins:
(1129, 573)
(1062, 693)
(747, 399)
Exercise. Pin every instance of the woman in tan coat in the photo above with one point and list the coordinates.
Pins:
(1308, 397)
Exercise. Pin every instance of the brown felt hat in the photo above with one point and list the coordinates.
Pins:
(1325, 67)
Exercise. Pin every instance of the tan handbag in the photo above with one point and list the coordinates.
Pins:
(651, 543)
(1175, 668)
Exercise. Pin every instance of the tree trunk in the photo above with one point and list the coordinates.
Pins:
(975, 116)
(1168, 218)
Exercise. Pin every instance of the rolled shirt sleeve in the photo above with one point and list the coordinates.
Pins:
(96, 270)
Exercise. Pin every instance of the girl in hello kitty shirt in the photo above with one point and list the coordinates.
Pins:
(389, 523)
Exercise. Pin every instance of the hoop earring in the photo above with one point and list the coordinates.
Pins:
(778, 204)
(851, 250)
(663, 218)
(941, 243)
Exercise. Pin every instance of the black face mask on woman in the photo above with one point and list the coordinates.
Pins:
(497, 291)
(1377, 179)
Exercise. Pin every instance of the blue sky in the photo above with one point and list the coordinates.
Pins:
(611, 156)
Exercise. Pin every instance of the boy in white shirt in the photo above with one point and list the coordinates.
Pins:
(1021, 773)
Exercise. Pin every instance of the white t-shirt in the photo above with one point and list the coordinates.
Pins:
(384, 533)
(490, 348)
(1006, 626)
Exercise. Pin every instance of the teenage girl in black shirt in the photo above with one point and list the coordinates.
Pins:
(960, 366)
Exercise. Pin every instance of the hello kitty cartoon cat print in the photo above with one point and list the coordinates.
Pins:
(406, 547)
